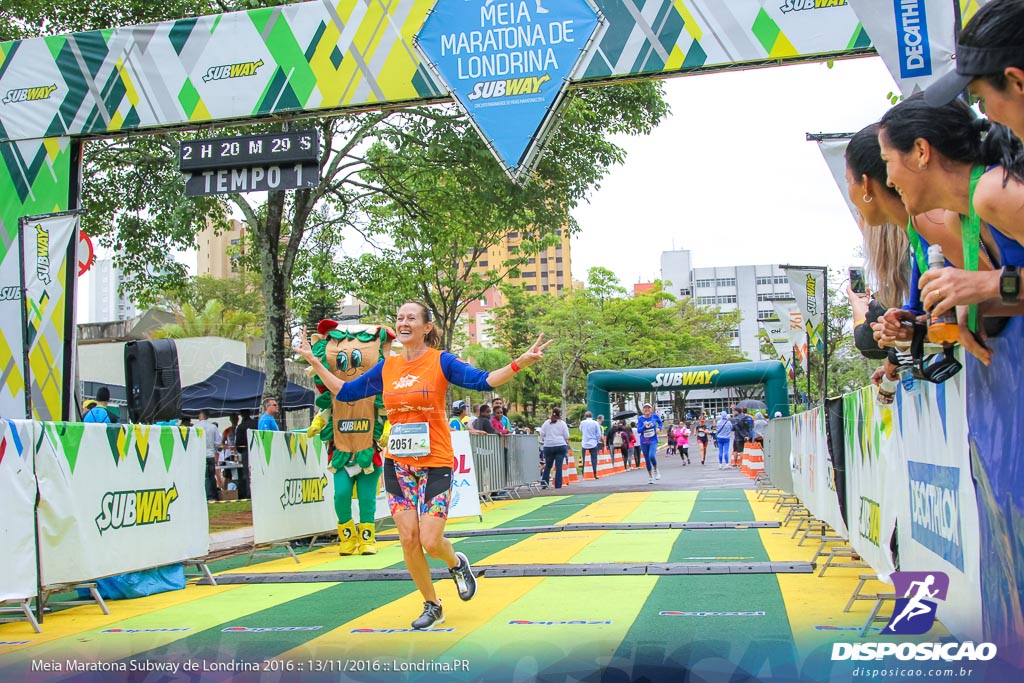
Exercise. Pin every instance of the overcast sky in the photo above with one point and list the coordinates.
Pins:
(730, 175)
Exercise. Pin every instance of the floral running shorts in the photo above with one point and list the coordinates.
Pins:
(424, 489)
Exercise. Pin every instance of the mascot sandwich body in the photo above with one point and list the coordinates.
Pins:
(352, 431)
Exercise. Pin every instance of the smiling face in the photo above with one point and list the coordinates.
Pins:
(411, 324)
(908, 174)
(647, 411)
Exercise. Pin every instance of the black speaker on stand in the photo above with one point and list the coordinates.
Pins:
(152, 381)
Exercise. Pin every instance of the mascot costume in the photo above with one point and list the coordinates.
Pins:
(352, 431)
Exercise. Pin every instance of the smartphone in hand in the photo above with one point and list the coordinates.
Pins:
(857, 283)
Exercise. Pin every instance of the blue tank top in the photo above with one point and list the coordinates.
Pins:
(1011, 252)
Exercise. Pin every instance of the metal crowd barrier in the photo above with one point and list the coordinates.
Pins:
(505, 464)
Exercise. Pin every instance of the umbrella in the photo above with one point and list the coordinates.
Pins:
(752, 404)
(624, 415)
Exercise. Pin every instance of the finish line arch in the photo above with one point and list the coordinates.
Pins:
(299, 60)
(771, 374)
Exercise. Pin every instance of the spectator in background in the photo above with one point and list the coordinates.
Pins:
(759, 424)
(99, 413)
(498, 420)
(482, 423)
(245, 425)
(211, 434)
(496, 403)
(227, 439)
(554, 440)
(743, 431)
(456, 423)
(590, 432)
(268, 421)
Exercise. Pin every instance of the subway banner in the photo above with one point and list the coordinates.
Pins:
(814, 478)
(292, 491)
(315, 56)
(118, 498)
(17, 509)
(938, 516)
(872, 462)
(41, 256)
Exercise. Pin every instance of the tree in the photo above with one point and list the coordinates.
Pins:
(213, 320)
(465, 204)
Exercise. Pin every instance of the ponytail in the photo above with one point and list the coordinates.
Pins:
(556, 415)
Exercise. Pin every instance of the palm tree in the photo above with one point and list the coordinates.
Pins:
(212, 321)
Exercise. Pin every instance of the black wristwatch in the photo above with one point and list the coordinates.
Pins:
(1009, 284)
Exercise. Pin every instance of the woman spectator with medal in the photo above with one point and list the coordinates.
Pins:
(419, 457)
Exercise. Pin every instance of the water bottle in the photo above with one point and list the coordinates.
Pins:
(907, 379)
(886, 391)
(942, 329)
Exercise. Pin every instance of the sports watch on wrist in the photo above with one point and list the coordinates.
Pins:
(1009, 284)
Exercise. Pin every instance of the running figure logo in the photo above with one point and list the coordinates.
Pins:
(914, 613)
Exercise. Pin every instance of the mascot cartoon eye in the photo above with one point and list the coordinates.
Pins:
(342, 361)
(357, 358)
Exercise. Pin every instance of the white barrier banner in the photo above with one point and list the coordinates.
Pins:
(813, 476)
(17, 510)
(118, 498)
(465, 500)
(292, 491)
(938, 513)
(873, 461)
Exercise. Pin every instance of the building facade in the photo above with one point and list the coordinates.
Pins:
(105, 302)
(217, 254)
(748, 289)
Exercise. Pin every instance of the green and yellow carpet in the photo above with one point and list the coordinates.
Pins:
(643, 626)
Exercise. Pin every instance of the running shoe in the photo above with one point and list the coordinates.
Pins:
(432, 615)
(651, 481)
(462, 573)
(657, 474)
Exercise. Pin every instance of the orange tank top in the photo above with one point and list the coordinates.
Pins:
(415, 391)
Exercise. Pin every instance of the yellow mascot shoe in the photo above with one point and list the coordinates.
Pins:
(367, 539)
(348, 540)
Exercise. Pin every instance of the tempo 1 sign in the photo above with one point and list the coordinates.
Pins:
(268, 149)
(252, 179)
(251, 163)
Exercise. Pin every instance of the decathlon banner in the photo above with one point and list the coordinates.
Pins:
(873, 461)
(916, 39)
(118, 498)
(17, 509)
(793, 321)
(938, 517)
(292, 491)
(808, 287)
(814, 478)
(465, 500)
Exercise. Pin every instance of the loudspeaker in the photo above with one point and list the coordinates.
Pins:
(152, 381)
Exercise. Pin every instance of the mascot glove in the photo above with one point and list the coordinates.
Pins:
(368, 470)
